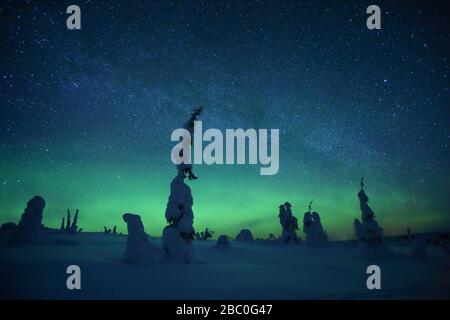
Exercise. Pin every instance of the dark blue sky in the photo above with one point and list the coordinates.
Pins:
(81, 108)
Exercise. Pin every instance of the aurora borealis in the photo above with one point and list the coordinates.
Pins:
(86, 115)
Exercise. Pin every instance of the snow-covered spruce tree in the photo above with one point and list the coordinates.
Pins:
(359, 232)
(74, 226)
(223, 241)
(316, 236)
(245, 235)
(288, 223)
(368, 232)
(30, 224)
(63, 224)
(178, 235)
(139, 250)
(68, 223)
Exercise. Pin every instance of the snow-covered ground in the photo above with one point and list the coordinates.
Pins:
(253, 270)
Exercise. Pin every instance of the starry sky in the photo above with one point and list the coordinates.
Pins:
(86, 115)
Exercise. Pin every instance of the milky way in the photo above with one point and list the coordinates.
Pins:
(86, 115)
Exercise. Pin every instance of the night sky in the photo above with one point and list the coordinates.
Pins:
(86, 115)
